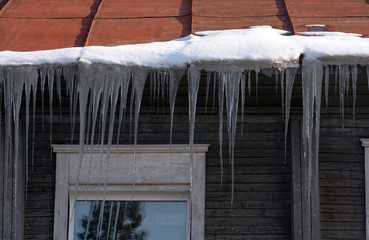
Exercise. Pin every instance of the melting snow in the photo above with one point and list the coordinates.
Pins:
(257, 47)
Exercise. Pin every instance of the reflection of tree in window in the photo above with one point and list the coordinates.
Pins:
(120, 221)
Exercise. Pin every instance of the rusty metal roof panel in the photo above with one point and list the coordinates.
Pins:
(144, 8)
(42, 34)
(51, 9)
(209, 23)
(349, 25)
(218, 14)
(239, 8)
(337, 15)
(327, 8)
(111, 32)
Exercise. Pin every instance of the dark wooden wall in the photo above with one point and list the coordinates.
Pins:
(261, 207)
(342, 179)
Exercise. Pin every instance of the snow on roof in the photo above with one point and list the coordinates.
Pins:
(252, 48)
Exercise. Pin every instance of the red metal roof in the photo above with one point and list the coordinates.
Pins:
(27, 25)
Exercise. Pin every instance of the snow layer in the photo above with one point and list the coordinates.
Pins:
(256, 47)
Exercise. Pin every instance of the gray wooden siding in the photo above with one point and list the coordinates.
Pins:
(342, 179)
(262, 205)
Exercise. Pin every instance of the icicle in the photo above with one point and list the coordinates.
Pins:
(290, 78)
(214, 87)
(83, 98)
(34, 95)
(367, 74)
(69, 77)
(116, 220)
(92, 206)
(282, 90)
(113, 80)
(109, 221)
(249, 81)
(58, 91)
(335, 80)
(104, 107)
(97, 86)
(208, 77)
(221, 104)
(158, 93)
(100, 222)
(125, 78)
(343, 78)
(267, 72)
(232, 95)
(43, 78)
(312, 73)
(131, 109)
(193, 88)
(175, 78)
(276, 80)
(151, 86)
(354, 83)
(326, 88)
(31, 82)
(50, 79)
(163, 80)
(256, 84)
(139, 78)
(242, 100)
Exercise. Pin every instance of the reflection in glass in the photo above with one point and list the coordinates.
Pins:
(130, 220)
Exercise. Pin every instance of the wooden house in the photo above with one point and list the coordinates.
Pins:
(239, 173)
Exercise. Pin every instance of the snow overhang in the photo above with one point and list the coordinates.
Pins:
(253, 48)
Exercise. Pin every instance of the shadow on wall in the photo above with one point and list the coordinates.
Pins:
(282, 15)
(2, 3)
(86, 25)
(185, 17)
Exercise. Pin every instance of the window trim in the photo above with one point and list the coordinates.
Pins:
(365, 144)
(66, 155)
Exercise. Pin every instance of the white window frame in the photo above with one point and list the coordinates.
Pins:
(365, 144)
(162, 172)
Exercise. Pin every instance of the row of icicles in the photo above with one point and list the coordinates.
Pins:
(99, 93)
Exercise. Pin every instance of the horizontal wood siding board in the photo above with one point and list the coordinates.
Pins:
(112, 32)
(28, 34)
(239, 8)
(342, 182)
(143, 8)
(51, 9)
(214, 23)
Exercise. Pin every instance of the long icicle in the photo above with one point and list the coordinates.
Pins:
(290, 78)
(175, 78)
(221, 107)
(193, 88)
(232, 95)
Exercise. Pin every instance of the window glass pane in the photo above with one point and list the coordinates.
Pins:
(130, 220)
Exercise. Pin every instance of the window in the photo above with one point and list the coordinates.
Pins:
(157, 185)
(165, 220)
